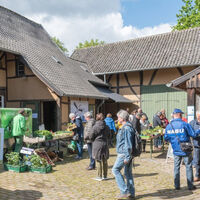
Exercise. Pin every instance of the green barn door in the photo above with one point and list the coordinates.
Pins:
(156, 97)
(35, 106)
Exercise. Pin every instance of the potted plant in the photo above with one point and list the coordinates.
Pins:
(14, 163)
(39, 165)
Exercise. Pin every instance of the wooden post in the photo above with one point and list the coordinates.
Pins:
(191, 98)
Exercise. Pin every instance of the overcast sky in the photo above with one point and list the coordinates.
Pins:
(74, 21)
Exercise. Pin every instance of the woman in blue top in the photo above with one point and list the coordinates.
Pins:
(111, 124)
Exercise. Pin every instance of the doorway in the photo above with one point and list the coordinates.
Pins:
(50, 115)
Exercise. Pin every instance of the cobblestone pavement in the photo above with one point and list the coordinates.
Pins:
(70, 180)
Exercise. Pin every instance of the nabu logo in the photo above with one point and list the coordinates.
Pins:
(181, 130)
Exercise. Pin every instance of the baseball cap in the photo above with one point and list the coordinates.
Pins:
(176, 110)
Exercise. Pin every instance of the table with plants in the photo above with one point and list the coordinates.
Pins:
(41, 136)
(151, 134)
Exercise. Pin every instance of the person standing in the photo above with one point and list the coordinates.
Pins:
(100, 150)
(87, 132)
(177, 132)
(79, 131)
(157, 122)
(196, 142)
(135, 121)
(111, 124)
(125, 138)
(19, 128)
(144, 124)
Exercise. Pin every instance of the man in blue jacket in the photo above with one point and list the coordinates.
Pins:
(111, 124)
(125, 139)
(176, 132)
(196, 141)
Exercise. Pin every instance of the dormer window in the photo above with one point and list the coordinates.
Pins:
(20, 68)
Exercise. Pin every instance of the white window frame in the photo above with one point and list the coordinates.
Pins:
(2, 101)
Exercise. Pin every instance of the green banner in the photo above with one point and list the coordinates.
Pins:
(6, 120)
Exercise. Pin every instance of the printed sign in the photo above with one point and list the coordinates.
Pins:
(190, 113)
(79, 107)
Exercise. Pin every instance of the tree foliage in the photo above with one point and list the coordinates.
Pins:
(60, 44)
(189, 15)
(90, 43)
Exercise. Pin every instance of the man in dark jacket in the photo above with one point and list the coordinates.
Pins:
(79, 130)
(196, 141)
(177, 132)
(135, 121)
(87, 134)
(157, 122)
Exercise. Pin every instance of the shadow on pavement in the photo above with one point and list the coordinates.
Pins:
(142, 175)
(162, 155)
(20, 194)
(167, 194)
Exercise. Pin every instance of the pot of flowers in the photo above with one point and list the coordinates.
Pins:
(14, 163)
(39, 165)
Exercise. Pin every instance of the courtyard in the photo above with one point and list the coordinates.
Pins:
(70, 180)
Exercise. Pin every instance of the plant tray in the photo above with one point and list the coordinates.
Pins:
(42, 170)
(18, 169)
(145, 137)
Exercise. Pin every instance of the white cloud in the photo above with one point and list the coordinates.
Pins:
(109, 28)
(74, 21)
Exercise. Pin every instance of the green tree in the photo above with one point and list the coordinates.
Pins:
(60, 44)
(90, 43)
(189, 15)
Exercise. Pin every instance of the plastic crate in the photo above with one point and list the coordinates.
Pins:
(18, 169)
(42, 170)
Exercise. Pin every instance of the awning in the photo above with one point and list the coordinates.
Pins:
(114, 96)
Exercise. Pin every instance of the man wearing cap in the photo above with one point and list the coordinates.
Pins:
(19, 128)
(176, 132)
(196, 141)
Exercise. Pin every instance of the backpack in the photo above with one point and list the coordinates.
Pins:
(136, 143)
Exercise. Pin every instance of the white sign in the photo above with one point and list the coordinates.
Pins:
(190, 118)
(169, 152)
(190, 110)
(34, 115)
(79, 107)
(1, 143)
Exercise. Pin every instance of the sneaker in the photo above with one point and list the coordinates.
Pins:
(98, 179)
(90, 168)
(123, 196)
(105, 178)
(192, 188)
(132, 197)
(77, 157)
(178, 188)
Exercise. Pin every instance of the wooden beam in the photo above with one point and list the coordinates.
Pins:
(2, 56)
(141, 77)
(153, 76)
(124, 86)
(133, 91)
(109, 78)
(180, 71)
(117, 83)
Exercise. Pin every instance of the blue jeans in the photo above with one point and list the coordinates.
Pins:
(80, 147)
(119, 164)
(189, 172)
(158, 141)
(196, 161)
(92, 161)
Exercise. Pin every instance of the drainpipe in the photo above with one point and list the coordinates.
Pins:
(98, 107)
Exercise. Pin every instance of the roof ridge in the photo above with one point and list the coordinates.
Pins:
(21, 16)
(137, 38)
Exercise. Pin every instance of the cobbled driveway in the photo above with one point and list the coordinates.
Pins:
(70, 180)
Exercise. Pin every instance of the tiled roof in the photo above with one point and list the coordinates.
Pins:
(174, 49)
(29, 39)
